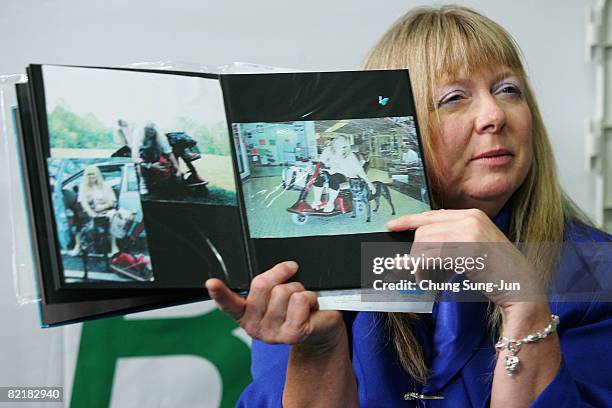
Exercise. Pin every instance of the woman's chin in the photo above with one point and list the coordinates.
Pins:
(491, 191)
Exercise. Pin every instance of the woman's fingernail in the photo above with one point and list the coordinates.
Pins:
(391, 224)
(292, 265)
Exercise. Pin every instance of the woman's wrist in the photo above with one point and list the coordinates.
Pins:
(324, 344)
(321, 374)
(522, 318)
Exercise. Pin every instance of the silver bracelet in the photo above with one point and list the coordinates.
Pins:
(511, 361)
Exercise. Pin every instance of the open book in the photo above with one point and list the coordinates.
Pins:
(142, 184)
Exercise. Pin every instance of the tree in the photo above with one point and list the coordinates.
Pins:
(69, 130)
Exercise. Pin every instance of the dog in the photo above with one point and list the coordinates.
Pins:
(361, 193)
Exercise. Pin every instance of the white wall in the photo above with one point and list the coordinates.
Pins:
(312, 35)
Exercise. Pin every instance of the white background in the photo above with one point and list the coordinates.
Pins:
(308, 35)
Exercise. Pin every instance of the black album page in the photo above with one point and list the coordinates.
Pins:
(132, 183)
(325, 160)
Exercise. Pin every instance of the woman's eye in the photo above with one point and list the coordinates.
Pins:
(512, 90)
(451, 99)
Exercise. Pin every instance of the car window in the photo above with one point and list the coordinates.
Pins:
(74, 183)
(111, 174)
(132, 179)
(71, 167)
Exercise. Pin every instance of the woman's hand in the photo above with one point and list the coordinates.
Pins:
(102, 206)
(471, 225)
(278, 312)
(524, 311)
(471, 233)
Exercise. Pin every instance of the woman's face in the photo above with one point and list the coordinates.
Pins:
(482, 139)
(92, 178)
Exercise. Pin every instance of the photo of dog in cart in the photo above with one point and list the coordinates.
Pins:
(99, 220)
(330, 177)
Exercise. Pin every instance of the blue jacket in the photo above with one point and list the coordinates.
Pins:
(460, 354)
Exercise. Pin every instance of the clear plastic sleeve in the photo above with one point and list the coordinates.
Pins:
(16, 219)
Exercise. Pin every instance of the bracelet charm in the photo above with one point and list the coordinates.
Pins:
(511, 360)
(511, 363)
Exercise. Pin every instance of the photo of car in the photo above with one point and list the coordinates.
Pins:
(111, 245)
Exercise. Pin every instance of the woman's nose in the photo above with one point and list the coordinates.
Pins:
(490, 117)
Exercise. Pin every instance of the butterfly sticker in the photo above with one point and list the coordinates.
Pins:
(383, 101)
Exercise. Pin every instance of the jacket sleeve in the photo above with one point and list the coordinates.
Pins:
(585, 376)
(268, 368)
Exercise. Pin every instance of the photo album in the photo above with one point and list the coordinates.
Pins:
(142, 184)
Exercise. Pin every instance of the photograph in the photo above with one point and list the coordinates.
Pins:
(329, 177)
(99, 220)
(173, 126)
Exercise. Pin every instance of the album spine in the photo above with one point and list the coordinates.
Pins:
(225, 81)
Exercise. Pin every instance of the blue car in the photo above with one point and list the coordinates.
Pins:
(66, 176)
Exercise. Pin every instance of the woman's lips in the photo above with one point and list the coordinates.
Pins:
(493, 157)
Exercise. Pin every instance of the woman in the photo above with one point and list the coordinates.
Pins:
(493, 172)
(340, 163)
(96, 199)
(154, 149)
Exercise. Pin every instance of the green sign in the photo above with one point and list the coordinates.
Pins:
(208, 336)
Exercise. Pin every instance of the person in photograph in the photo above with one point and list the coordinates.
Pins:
(123, 138)
(153, 148)
(409, 156)
(340, 163)
(495, 181)
(97, 199)
(124, 133)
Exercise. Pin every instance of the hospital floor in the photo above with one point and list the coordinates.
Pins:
(267, 204)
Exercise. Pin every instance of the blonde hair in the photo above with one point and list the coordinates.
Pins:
(340, 145)
(439, 43)
(98, 184)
